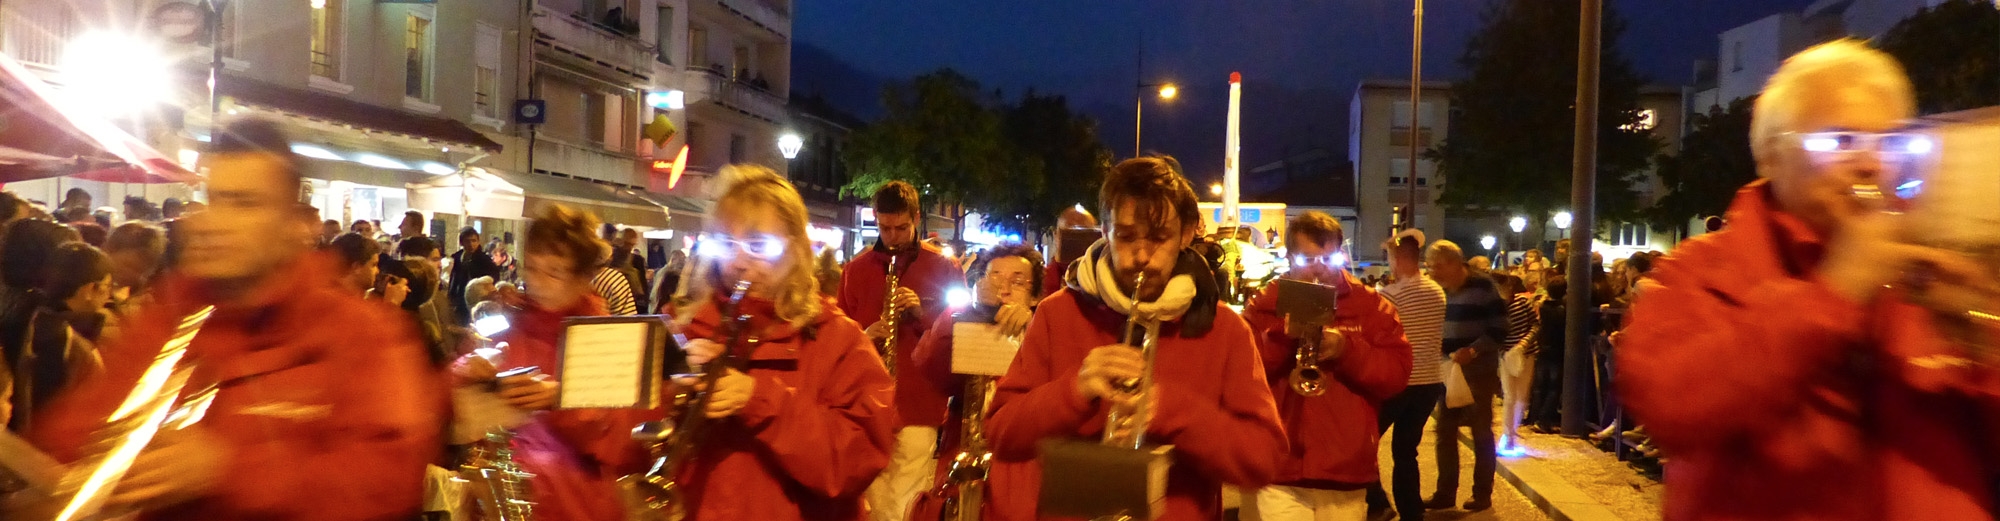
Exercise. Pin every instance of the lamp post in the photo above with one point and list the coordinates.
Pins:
(1488, 242)
(1416, 99)
(789, 144)
(1518, 224)
(1167, 91)
(1582, 200)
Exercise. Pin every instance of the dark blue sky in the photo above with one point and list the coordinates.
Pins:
(1300, 58)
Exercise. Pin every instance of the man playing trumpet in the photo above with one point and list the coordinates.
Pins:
(1210, 401)
(1360, 360)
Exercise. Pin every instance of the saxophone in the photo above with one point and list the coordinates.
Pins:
(500, 487)
(891, 315)
(964, 487)
(654, 495)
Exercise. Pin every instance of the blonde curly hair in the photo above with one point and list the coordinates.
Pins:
(738, 189)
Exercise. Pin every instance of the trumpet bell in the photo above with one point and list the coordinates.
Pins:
(1308, 381)
(650, 498)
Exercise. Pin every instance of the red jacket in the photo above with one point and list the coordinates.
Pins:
(1779, 399)
(330, 403)
(576, 455)
(1214, 405)
(863, 286)
(816, 432)
(1333, 436)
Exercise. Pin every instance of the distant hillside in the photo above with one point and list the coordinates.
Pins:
(844, 86)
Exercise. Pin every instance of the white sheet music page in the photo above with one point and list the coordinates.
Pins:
(978, 349)
(603, 365)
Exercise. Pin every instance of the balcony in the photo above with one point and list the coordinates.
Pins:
(769, 16)
(580, 41)
(34, 33)
(738, 96)
(563, 159)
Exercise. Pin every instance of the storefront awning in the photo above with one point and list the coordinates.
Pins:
(42, 136)
(508, 195)
(488, 195)
(326, 107)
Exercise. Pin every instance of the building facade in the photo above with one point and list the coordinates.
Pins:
(1379, 144)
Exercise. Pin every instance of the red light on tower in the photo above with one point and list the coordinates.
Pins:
(1236, 77)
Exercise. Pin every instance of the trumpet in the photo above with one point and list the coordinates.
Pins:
(500, 485)
(654, 495)
(1307, 308)
(1112, 479)
(891, 315)
(1306, 378)
(1128, 430)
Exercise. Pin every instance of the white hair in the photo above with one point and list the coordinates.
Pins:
(1448, 249)
(1814, 74)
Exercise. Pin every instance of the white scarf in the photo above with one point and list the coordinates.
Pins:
(1094, 274)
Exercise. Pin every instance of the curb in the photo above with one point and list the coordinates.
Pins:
(1548, 490)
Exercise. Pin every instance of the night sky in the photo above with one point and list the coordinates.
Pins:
(1300, 59)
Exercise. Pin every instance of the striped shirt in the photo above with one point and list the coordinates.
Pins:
(617, 292)
(1420, 306)
(1475, 312)
(1520, 318)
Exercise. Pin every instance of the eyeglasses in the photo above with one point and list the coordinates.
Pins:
(1331, 260)
(1846, 142)
(764, 247)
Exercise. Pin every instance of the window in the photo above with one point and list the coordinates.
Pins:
(417, 56)
(1399, 124)
(741, 65)
(1399, 172)
(664, 35)
(486, 71)
(326, 21)
(698, 47)
(593, 113)
(736, 148)
(1629, 234)
(1736, 56)
(1646, 121)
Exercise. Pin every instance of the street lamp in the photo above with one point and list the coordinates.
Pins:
(1563, 220)
(1167, 92)
(1487, 242)
(1416, 99)
(115, 74)
(1215, 189)
(790, 144)
(1518, 224)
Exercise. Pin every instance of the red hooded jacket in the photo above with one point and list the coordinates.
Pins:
(1333, 436)
(1779, 399)
(816, 432)
(1214, 406)
(863, 287)
(329, 403)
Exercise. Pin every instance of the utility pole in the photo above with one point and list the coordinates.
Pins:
(1583, 213)
(1416, 100)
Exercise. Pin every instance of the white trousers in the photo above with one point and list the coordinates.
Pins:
(1280, 503)
(911, 468)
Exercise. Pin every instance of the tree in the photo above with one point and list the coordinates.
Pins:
(1713, 163)
(1513, 130)
(937, 134)
(1059, 163)
(1951, 54)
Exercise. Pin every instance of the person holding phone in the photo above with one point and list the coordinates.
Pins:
(801, 421)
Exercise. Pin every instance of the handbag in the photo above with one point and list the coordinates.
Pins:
(1457, 392)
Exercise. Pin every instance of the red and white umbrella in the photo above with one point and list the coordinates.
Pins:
(43, 135)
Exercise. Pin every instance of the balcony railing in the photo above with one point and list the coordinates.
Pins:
(580, 40)
(586, 162)
(767, 14)
(34, 32)
(742, 97)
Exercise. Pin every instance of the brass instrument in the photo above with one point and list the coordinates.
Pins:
(964, 487)
(499, 486)
(156, 404)
(1121, 477)
(891, 315)
(655, 495)
(1307, 308)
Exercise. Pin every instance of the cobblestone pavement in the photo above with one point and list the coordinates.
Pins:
(1508, 503)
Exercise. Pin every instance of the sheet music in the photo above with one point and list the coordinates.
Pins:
(1957, 201)
(603, 365)
(978, 349)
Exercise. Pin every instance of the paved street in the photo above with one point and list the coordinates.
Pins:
(1508, 503)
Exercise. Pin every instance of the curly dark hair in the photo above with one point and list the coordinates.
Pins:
(560, 230)
(1157, 188)
(1008, 249)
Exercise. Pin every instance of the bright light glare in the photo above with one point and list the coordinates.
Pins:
(380, 162)
(1920, 145)
(491, 325)
(1168, 91)
(115, 73)
(948, 252)
(1912, 185)
(1518, 223)
(316, 152)
(958, 297)
(1488, 242)
(1215, 189)
(1822, 144)
(711, 248)
(438, 169)
(790, 145)
(1563, 220)
(189, 158)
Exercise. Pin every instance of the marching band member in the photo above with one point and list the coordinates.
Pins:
(325, 405)
(1363, 359)
(809, 425)
(1004, 295)
(923, 276)
(1212, 402)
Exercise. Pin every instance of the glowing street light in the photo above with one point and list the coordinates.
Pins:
(1215, 189)
(1488, 242)
(115, 73)
(1518, 224)
(790, 145)
(1168, 91)
(1563, 220)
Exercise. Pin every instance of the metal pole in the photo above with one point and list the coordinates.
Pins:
(215, 8)
(1416, 99)
(1577, 355)
(1138, 115)
(1138, 93)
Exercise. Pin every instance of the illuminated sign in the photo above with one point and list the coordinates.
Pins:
(673, 168)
